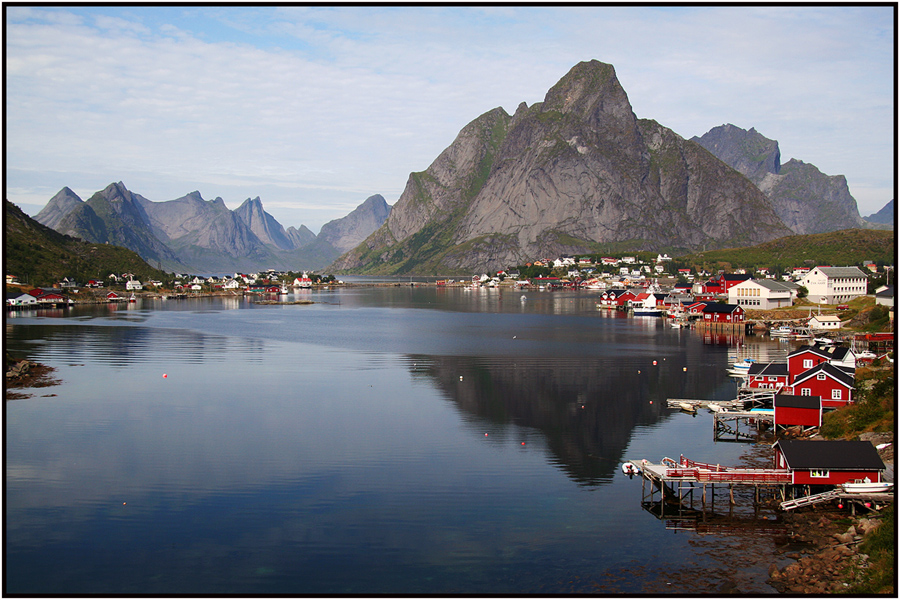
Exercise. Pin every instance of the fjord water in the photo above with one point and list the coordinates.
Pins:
(389, 440)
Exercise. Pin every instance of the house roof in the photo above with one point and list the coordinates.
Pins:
(827, 318)
(789, 401)
(775, 286)
(830, 454)
(887, 292)
(836, 373)
(841, 271)
(773, 369)
(814, 349)
(721, 308)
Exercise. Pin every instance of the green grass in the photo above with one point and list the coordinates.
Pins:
(880, 545)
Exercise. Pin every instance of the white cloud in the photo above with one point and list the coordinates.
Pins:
(346, 102)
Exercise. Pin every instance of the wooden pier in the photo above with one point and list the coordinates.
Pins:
(676, 481)
(728, 424)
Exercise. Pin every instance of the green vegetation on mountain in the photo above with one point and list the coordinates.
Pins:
(40, 256)
(836, 248)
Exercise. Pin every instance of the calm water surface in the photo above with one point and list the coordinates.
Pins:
(383, 440)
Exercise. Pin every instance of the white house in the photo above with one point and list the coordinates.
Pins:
(133, 284)
(762, 294)
(833, 285)
(825, 322)
(20, 299)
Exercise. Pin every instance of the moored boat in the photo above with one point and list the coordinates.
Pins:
(687, 407)
(863, 487)
(630, 468)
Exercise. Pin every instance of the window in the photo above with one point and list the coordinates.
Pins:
(805, 392)
(818, 473)
(821, 376)
(836, 395)
(807, 363)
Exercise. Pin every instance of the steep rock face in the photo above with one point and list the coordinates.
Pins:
(115, 216)
(300, 237)
(348, 232)
(263, 225)
(747, 152)
(576, 173)
(807, 200)
(59, 206)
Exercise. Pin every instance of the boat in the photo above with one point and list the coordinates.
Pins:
(630, 469)
(783, 331)
(742, 367)
(687, 407)
(132, 298)
(867, 487)
(714, 407)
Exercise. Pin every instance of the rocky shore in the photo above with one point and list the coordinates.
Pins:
(22, 373)
(824, 545)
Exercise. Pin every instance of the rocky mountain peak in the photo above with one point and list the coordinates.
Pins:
(61, 204)
(807, 200)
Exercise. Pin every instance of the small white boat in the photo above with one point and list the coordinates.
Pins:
(630, 469)
(687, 407)
(714, 407)
(867, 487)
(741, 368)
(783, 331)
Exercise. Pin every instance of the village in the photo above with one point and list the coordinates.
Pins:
(841, 316)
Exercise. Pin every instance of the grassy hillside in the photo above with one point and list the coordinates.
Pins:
(40, 256)
(836, 248)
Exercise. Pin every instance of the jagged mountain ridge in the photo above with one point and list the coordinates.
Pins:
(807, 200)
(196, 235)
(576, 173)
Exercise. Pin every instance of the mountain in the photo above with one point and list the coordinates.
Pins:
(207, 236)
(348, 232)
(195, 235)
(885, 216)
(115, 216)
(807, 200)
(339, 235)
(59, 206)
(267, 229)
(576, 173)
(40, 256)
(300, 237)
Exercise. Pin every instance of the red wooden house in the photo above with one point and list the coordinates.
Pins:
(831, 462)
(771, 376)
(805, 358)
(832, 384)
(805, 411)
(723, 313)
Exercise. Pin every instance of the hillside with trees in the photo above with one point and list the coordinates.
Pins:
(39, 256)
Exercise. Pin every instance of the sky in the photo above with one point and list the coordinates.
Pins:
(314, 109)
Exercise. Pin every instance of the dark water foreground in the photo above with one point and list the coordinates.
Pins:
(386, 440)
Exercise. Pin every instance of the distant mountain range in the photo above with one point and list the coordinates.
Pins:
(577, 173)
(194, 235)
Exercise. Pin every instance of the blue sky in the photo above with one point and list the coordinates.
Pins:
(313, 109)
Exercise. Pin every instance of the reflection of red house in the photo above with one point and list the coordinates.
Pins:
(805, 411)
(832, 384)
(830, 462)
